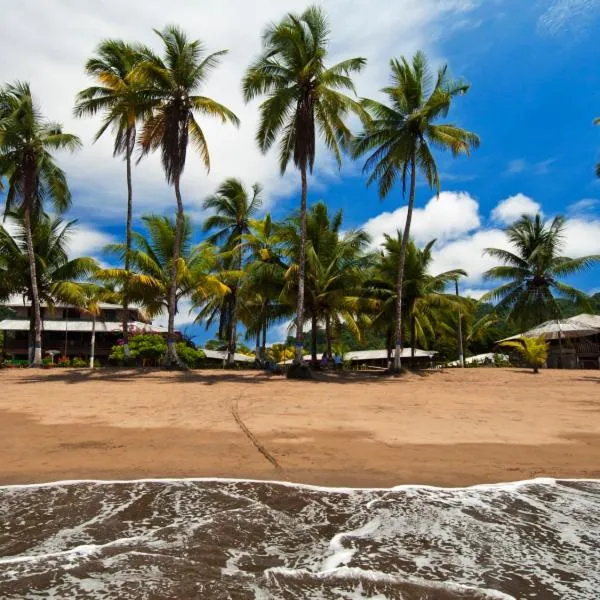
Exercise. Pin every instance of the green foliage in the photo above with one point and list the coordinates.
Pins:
(148, 350)
(79, 363)
(532, 273)
(533, 350)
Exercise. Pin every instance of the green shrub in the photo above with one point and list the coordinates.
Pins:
(190, 356)
(149, 350)
(79, 363)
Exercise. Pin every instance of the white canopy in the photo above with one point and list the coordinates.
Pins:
(565, 328)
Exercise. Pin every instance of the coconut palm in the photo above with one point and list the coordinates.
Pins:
(425, 301)
(27, 141)
(303, 96)
(399, 138)
(92, 297)
(533, 350)
(174, 81)
(119, 96)
(58, 278)
(233, 206)
(150, 278)
(532, 270)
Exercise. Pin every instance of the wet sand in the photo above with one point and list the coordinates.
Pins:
(449, 428)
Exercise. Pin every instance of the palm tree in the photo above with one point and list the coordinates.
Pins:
(92, 296)
(399, 139)
(150, 278)
(119, 96)
(303, 96)
(233, 207)
(26, 143)
(58, 278)
(532, 270)
(425, 300)
(174, 82)
(533, 350)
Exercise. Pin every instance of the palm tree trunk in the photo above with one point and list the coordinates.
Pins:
(264, 330)
(313, 339)
(301, 269)
(413, 336)
(93, 344)
(328, 336)
(35, 300)
(231, 342)
(171, 358)
(257, 347)
(130, 133)
(401, 261)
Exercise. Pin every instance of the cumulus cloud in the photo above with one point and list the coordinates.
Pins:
(510, 209)
(582, 237)
(443, 218)
(56, 38)
(87, 241)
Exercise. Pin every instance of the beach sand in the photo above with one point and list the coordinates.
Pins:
(448, 428)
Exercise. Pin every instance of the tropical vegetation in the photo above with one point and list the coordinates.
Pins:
(243, 271)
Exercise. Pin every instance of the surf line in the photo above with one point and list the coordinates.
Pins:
(251, 436)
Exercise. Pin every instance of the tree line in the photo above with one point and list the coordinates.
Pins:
(252, 270)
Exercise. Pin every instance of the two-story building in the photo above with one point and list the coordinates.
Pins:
(67, 329)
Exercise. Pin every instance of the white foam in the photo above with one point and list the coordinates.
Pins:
(509, 485)
(379, 577)
(341, 555)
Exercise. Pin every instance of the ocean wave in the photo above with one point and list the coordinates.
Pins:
(221, 538)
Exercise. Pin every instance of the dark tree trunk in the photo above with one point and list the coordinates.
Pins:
(301, 269)
(313, 338)
(171, 358)
(231, 341)
(264, 331)
(130, 143)
(328, 336)
(35, 300)
(401, 261)
(413, 336)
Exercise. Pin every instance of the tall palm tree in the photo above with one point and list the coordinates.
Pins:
(303, 96)
(174, 81)
(58, 278)
(233, 207)
(399, 138)
(27, 141)
(532, 270)
(119, 96)
(150, 278)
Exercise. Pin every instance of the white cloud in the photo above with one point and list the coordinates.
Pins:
(516, 166)
(568, 14)
(476, 294)
(582, 237)
(447, 217)
(55, 38)
(87, 241)
(582, 206)
(510, 209)
(185, 315)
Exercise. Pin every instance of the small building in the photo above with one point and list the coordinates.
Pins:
(573, 343)
(67, 329)
(379, 358)
(218, 357)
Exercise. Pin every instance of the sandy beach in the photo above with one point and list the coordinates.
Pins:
(451, 428)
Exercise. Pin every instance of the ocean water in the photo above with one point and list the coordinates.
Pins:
(231, 539)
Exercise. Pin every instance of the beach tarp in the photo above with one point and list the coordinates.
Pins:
(479, 359)
(222, 355)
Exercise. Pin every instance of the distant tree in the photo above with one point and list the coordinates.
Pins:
(173, 83)
(27, 141)
(119, 96)
(304, 97)
(232, 207)
(532, 271)
(399, 138)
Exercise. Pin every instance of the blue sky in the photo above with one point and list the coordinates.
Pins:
(533, 67)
